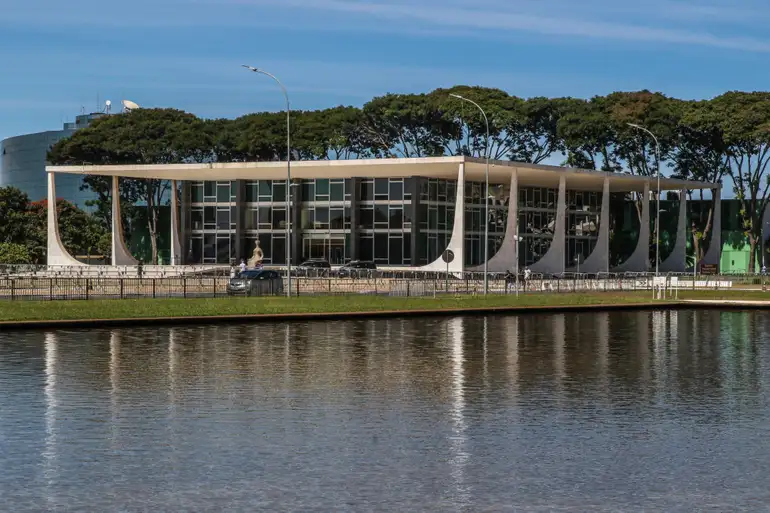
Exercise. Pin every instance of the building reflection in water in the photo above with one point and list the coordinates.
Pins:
(51, 451)
(458, 442)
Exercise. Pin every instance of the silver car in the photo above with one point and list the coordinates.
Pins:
(256, 282)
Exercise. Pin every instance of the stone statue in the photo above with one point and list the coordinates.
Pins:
(257, 256)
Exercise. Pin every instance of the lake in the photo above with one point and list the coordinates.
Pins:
(622, 411)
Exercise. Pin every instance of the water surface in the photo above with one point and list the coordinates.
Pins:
(627, 411)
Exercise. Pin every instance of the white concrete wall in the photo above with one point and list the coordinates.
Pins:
(639, 261)
(56, 252)
(553, 260)
(677, 260)
(120, 253)
(457, 241)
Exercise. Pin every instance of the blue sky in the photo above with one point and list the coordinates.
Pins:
(58, 56)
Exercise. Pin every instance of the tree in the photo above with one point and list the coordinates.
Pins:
(744, 122)
(588, 135)
(81, 233)
(402, 125)
(14, 254)
(700, 154)
(13, 209)
(143, 136)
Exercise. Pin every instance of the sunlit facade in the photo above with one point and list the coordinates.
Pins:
(405, 213)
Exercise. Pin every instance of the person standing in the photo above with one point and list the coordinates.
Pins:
(243, 265)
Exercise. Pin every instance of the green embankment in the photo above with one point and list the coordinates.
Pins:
(146, 308)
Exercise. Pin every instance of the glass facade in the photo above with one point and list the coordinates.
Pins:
(390, 221)
(385, 228)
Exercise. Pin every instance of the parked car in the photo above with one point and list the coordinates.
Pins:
(255, 282)
(313, 268)
(357, 269)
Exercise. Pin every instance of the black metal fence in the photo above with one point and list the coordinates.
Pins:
(382, 283)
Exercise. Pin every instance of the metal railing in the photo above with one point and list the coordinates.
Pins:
(404, 284)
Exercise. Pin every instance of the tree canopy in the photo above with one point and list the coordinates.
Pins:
(704, 140)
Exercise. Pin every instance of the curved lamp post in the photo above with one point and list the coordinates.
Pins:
(486, 194)
(288, 172)
(657, 214)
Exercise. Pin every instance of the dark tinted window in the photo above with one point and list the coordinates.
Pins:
(250, 274)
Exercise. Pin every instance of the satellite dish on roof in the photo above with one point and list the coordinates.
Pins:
(107, 106)
(129, 105)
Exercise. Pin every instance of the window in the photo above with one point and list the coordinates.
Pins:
(209, 217)
(279, 218)
(380, 188)
(366, 250)
(265, 190)
(322, 189)
(337, 191)
(196, 219)
(396, 219)
(395, 252)
(196, 193)
(252, 191)
(308, 190)
(223, 219)
(381, 246)
(265, 217)
(223, 193)
(396, 192)
(209, 189)
(321, 218)
(367, 190)
(381, 215)
(279, 191)
(367, 217)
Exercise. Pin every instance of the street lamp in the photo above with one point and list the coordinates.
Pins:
(517, 239)
(486, 194)
(657, 215)
(288, 172)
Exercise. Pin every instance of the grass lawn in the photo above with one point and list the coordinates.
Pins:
(139, 308)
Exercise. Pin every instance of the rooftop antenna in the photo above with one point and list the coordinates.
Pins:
(82, 109)
(128, 106)
(98, 102)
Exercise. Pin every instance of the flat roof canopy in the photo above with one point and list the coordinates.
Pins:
(530, 175)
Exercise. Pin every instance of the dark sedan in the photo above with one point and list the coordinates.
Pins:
(257, 282)
(357, 269)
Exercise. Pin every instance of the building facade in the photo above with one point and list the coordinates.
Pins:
(405, 213)
(23, 162)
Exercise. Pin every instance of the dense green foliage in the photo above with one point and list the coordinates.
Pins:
(701, 140)
(23, 237)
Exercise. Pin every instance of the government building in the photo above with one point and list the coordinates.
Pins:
(404, 213)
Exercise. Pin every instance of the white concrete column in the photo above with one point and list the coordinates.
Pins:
(457, 241)
(505, 258)
(599, 259)
(714, 253)
(639, 261)
(677, 260)
(176, 244)
(56, 254)
(120, 253)
(553, 260)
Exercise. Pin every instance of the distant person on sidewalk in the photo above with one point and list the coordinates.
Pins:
(509, 278)
(140, 269)
(243, 265)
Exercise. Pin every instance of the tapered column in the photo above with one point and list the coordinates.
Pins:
(639, 261)
(714, 254)
(599, 259)
(355, 219)
(505, 258)
(120, 253)
(56, 253)
(676, 261)
(176, 243)
(553, 260)
(457, 242)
